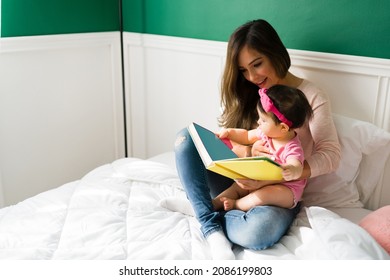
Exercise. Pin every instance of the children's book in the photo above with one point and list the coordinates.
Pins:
(219, 158)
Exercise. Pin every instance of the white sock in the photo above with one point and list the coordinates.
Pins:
(220, 246)
(176, 204)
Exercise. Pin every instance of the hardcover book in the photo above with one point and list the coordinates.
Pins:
(219, 158)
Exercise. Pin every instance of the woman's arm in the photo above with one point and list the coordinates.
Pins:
(306, 172)
(323, 151)
(252, 185)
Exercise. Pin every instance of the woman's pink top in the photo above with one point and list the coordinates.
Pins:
(319, 136)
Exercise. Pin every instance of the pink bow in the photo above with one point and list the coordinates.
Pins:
(269, 106)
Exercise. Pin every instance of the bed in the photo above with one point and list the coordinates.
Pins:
(114, 211)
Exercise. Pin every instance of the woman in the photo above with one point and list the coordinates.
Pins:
(256, 58)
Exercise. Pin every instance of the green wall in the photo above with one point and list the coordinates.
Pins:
(356, 27)
(43, 17)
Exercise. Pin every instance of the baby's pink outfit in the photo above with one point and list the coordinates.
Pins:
(291, 149)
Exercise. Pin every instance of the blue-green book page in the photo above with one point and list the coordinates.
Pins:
(214, 146)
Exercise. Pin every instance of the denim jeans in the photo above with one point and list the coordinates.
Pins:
(259, 228)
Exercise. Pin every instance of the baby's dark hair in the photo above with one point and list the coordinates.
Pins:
(291, 102)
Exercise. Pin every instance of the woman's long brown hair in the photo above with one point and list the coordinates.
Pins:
(238, 96)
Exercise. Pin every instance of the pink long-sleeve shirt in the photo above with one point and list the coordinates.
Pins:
(319, 136)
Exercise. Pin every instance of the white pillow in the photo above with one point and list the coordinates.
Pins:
(375, 154)
(364, 151)
(343, 239)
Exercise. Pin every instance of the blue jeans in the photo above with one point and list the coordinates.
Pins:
(257, 229)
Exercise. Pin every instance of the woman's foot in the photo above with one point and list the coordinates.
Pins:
(220, 246)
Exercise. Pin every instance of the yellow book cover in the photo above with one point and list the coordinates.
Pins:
(218, 157)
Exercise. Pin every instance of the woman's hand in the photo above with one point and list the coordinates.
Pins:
(250, 185)
(258, 149)
(241, 150)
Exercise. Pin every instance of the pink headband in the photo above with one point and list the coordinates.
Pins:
(269, 106)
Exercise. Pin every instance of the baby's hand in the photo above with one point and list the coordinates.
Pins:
(291, 172)
(223, 133)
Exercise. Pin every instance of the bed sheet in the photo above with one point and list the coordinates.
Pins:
(113, 213)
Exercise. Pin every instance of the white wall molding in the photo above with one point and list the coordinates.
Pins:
(381, 114)
(301, 58)
(359, 77)
(346, 78)
(58, 41)
(136, 102)
(161, 71)
(340, 62)
(1, 192)
(110, 41)
(61, 109)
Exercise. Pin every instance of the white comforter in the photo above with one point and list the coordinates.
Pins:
(113, 213)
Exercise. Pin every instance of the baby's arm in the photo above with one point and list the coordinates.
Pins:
(292, 170)
(239, 135)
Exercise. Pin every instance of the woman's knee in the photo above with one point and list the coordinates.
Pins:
(257, 229)
(183, 140)
(255, 238)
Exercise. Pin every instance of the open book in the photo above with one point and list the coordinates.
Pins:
(218, 157)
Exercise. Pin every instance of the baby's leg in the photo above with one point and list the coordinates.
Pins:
(228, 203)
(233, 192)
(276, 195)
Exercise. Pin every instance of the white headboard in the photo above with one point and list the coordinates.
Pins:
(173, 81)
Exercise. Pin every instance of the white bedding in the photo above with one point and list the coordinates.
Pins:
(113, 213)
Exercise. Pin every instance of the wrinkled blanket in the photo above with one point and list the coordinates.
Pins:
(113, 213)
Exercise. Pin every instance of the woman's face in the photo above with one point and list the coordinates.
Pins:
(257, 68)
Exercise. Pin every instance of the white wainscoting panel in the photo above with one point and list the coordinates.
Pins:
(172, 81)
(61, 109)
(358, 86)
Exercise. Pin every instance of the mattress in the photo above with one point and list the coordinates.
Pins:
(113, 213)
